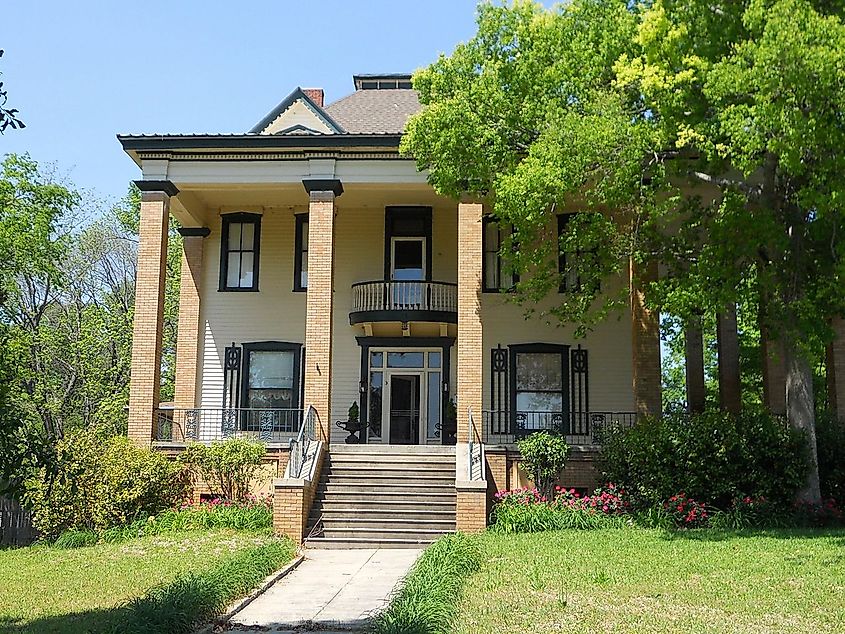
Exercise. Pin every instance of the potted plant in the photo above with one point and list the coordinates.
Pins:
(352, 424)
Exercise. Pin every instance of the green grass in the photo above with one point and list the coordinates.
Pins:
(426, 602)
(48, 590)
(636, 580)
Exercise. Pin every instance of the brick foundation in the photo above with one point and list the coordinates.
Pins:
(292, 501)
(471, 507)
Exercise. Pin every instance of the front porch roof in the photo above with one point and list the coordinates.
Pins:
(136, 144)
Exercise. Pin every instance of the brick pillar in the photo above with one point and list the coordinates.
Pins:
(836, 369)
(470, 350)
(187, 341)
(145, 380)
(774, 374)
(694, 357)
(319, 302)
(727, 341)
(645, 343)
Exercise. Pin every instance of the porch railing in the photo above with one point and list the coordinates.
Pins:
(208, 424)
(579, 428)
(475, 452)
(300, 445)
(404, 295)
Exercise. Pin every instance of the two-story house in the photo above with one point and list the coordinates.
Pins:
(322, 273)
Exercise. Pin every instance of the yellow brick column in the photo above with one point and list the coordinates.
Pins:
(145, 378)
(645, 342)
(470, 347)
(319, 301)
(187, 339)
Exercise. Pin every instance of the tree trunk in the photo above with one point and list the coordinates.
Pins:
(800, 413)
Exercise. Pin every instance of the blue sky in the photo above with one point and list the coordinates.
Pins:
(81, 72)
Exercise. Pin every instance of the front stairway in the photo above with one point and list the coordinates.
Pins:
(393, 496)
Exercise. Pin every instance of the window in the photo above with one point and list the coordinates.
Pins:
(271, 380)
(498, 275)
(570, 280)
(300, 266)
(539, 386)
(240, 242)
(410, 259)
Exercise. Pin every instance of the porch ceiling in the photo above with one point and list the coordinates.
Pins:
(198, 204)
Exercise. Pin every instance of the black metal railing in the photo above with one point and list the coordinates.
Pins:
(579, 428)
(475, 451)
(205, 424)
(300, 446)
(404, 295)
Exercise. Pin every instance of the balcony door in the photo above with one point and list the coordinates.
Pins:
(408, 267)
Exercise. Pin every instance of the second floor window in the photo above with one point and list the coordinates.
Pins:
(567, 261)
(498, 275)
(300, 266)
(240, 242)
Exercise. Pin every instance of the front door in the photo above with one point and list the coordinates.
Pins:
(404, 409)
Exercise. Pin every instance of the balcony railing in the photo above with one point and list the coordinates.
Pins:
(372, 299)
(579, 428)
(209, 424)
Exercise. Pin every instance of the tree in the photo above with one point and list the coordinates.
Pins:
(706, 135)
(8, 116)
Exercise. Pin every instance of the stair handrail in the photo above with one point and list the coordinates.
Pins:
(300, 445)
(475, 451)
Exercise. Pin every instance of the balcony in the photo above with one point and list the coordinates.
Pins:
(405, 301)
(579, 428)
(271, 426)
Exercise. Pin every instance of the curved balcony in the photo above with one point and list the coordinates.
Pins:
(394, 300)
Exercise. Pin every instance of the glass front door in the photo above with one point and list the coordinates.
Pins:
(408, 268)
(404, 409)
(404, 403)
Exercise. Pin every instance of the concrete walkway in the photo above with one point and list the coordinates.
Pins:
(330, 590)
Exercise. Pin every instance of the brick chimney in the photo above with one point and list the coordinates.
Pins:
(315, 94)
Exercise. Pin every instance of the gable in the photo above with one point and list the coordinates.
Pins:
(297, 114)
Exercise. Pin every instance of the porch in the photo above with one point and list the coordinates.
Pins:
(281, 426)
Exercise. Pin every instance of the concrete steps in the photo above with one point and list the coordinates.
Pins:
(384, 497)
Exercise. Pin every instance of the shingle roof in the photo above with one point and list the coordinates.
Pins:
(374, 111)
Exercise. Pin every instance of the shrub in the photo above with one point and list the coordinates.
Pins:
(191, 599)
(228, 467)
(544, 456)
(75, 538)
(427, 600)
(830, 441)
(748, 512)
(714, 457)
(527, 511)
(826, 513)
(686, 512)
(100, 481)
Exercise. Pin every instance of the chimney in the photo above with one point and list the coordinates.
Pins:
(315, 95)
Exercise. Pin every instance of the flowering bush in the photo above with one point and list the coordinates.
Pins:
(827, 513)
(527, 510)
(610, 500)
(686, 512)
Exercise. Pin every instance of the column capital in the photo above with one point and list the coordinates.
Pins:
(166, 187)
(314, 185)
(186, 232)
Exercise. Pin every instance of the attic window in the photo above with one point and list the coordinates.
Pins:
(386, 83)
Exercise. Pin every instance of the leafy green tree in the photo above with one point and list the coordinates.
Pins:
(706, 135)
(8, 116)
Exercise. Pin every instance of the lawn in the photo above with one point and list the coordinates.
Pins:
(49, 590)
(637, 580)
